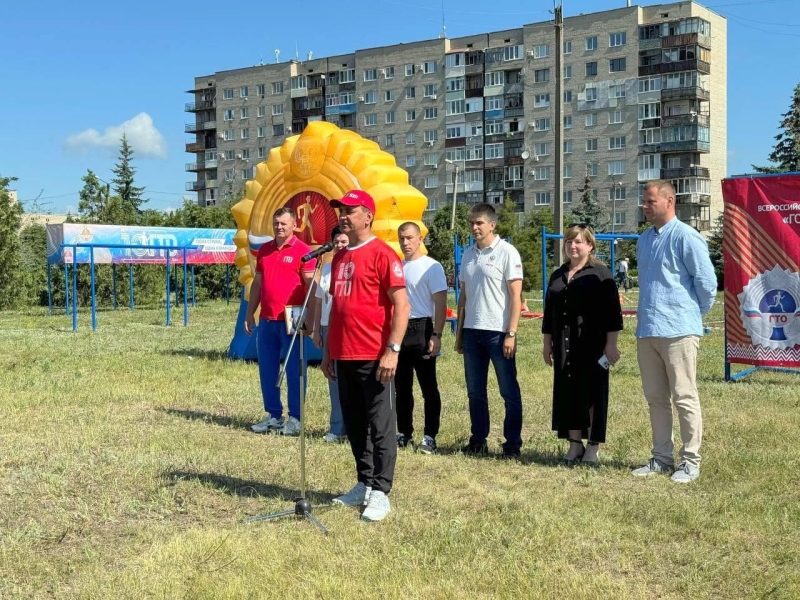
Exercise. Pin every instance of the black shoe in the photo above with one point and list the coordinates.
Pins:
(403, 440)
(476, 449)
(511, 453)
(427, 446)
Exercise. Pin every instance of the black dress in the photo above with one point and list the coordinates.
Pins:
(578, 315)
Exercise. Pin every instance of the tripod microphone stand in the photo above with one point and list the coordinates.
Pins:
(302, 506)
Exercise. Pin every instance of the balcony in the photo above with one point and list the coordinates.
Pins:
(194, 186)
(699, 224)
(649, 174)
(686, 39)
(493, 186)
(514, 112)
(202, 105)
(674, 67)
(514, 184)
(650, 123)
(200, 166)
(650, 148)
(513, 88)
(686, 119)
(701, 172)
(298, 93)
(473, 69)
(193, 127)
(685, 93)
(693, 198)
(685, 146)
(474, 93)
(195, 146)
(514, 160)
(212, 183)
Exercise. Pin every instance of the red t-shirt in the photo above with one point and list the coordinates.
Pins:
(361, 311)
(282, 283)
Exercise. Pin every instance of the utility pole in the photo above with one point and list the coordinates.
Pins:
(455, 190)
(558, 201)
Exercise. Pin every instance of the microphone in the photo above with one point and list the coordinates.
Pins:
(326, 247)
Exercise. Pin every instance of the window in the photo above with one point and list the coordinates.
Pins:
(390, 117)
(332, 100)
(541, 173)
(431, 181)
(229, 154)
(228, 115)
(615, 65)
(454, 60)
(370, 97)
(370, 74)
(592, 169)
(651, 84)
(431, 135)
(277, 87)
(228, 135)
(277, 109)
(591, 69)
(410, 138)
(227, 94)
(617, 39)
(299, 82)
(590, 119)
(245, 134)
(431, 113)
(542, 198)
(262, 132)
(567, 47)
(247, 173)
(567, 146)
(512, 52)
(277, 130)
(619, 217)
(243, 93)
(568, 122)
(616, 192)
(370, 120)
(390, 139)
(541, 75)
(651, 110)
(261, 89)
(456, 107)
(494, 127)
(493, 151)
(430, 90)
(454, 84)
(388, 73)
(567, 197)
(229, 174)
(568, 96)
(616, 116)
(473, 105)
(542, 149)
(616, 167)
(541, 100)
(431, 159)
(591, 43)
(494, 78)
(455, 154)
(262, 152)
(474, 152)
(682, 80)
(541, 125)
(616, 143)
(474, 175)
(346, 98)
(475, 128)
(411, 92)
(567, 171)
(411, 160)
(494, 103)
(512, 173)
(429, 66)
(616, 91)
(591, 94)
(591, 145)
(568, 72)
(388, 96)
(410, 70)
(411, 115)
(347, 76)
(649, 136)
(246, 153)
(262, 111)
(542, 51)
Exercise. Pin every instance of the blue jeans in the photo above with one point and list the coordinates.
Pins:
(480, 347)
(273, 341)
(337, 421)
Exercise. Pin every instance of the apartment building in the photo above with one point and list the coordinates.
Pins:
(639, 87)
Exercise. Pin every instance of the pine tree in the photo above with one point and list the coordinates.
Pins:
(588, 209)
(128, 193)
(93, 197)
(10, 220)
(715, 250)
(786, 154)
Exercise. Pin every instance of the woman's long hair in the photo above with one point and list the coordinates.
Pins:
(587, 234)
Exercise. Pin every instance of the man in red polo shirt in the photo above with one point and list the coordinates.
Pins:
(281, 279)
(368, 320)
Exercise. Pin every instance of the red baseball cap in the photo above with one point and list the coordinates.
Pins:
(355, 198)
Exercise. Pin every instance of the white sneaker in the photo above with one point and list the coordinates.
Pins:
(653, 467)
(267, 425)
(291, 427)
(685, 473)
(332, 438)
(377, 507)
(355, 497)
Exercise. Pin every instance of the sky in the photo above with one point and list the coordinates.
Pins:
(76, 74)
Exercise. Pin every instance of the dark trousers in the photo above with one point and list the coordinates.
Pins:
(369, 417)
(414, 357)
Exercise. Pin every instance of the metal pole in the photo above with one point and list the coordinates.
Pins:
(227, 284)
(91, 279)
(169, 291)
(455, 197)
(544, 262)
(185, 299)
(130, 284)
(74, 288)
(558, 201)
(456, 264)
(114, 283)
(49, 292)
(194, 298)
(302, 414)
(66, 286)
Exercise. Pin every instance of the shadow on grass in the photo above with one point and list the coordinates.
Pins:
(244, 488)
(538, 458)
(213, 355)
(207, 417)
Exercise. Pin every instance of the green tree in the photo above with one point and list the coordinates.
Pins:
(588, 209)
(10, 220)
(715, 251)
(130, 195)
(785, 156)
(93, 197)
(439, 240)
(507, 219)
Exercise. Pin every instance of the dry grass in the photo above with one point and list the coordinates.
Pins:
(127, 468)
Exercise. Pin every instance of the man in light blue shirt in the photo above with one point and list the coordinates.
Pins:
(677, 285)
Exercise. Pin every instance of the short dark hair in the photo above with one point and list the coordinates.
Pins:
(407, 225)
(484, 210)
(284, 210)
(663, 187)
(335, 231)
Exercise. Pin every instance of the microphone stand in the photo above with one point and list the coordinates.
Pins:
(302, 506)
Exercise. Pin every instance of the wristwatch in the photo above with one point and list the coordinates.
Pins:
(393, 347)
(511, 334)
(434, 334)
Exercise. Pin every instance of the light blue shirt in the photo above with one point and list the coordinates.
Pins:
(677, 284)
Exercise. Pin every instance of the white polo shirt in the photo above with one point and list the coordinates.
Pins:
(322, 292)
(424, 278)
(485, 275)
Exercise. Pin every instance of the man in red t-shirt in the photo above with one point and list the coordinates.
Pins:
(368, 320)
(281, 280)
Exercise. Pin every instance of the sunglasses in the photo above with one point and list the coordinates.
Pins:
(580, 225)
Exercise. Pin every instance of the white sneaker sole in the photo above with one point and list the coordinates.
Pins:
(375, 518)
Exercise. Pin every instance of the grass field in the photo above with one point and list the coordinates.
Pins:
(127, 467)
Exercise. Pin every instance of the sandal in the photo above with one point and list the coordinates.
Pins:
(591, 463)
(571, 462)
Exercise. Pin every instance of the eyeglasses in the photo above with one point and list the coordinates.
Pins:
(580, 225)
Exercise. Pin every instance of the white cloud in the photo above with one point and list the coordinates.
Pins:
(143, 137)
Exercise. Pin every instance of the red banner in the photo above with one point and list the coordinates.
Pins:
(761, 246)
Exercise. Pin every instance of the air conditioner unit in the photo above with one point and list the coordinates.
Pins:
(612, 102)
(382, 72)
(361, 98)
(239, 156)
(581, 96)
(433, 97)
(429, 143)
(531, 53)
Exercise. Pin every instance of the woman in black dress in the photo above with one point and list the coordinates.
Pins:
(582, 320)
